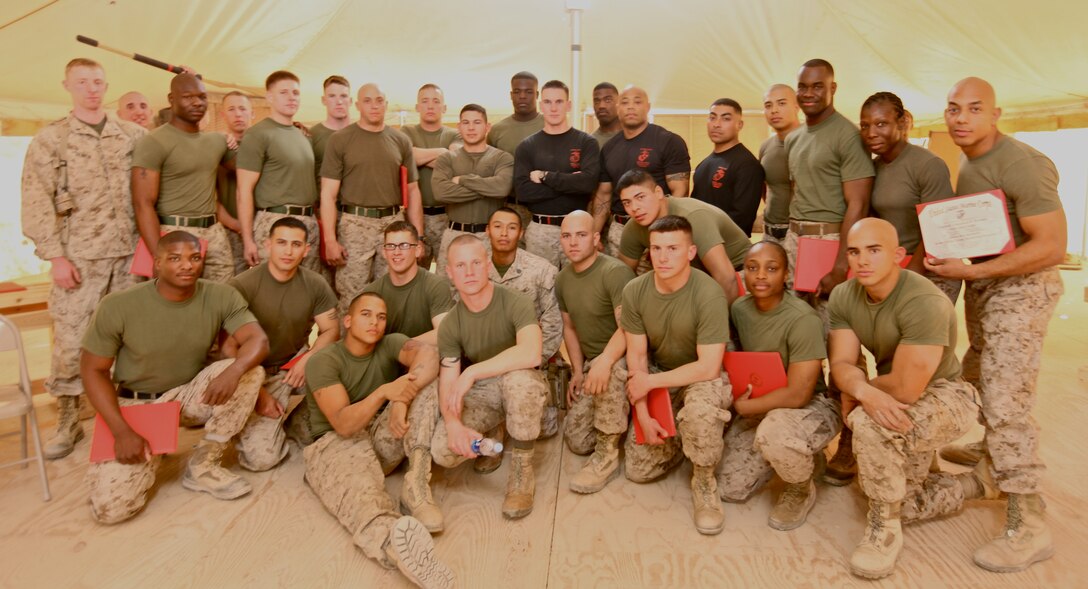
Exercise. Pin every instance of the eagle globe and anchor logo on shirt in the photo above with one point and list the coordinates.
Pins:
(719, 174)
(576, 158)
(643, 159)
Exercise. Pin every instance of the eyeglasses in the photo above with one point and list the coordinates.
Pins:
(398, 246)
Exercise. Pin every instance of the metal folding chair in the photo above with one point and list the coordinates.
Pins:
(16, 400)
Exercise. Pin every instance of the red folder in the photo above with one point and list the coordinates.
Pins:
(11, 287)
(156, 422)
(404, 186)
(740, 286)
(291, 363)
(143, 263)
(660, 406)
(902, 264)
(762, 370)
(815, 258)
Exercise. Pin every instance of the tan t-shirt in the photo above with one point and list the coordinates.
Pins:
(710, 226)
(677, 322)
(360, 375)
(1028, 177)
(367, 164)
(187, 164)
(793, 329)
(285, 310)
(481, 336)
(916, 176)
(284, 158)
(821, 158)
(161, 344)
(776, 169)
(590, 298)
(915, 313)
(411, 308)
(443, 137)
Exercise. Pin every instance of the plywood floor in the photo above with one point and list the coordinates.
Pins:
(626, 536)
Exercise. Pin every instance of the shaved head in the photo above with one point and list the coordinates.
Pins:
(188, 99)
(577, 220)
(634, 110)
(370, 89)
(780, 88)
(976, 87)
(874, 255)
(872, 230)
(971, 116)
(135, 108)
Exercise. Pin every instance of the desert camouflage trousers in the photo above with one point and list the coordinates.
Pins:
(361, 238)
(606, 413)
(348, 474)
(782, 441)
(516, 397)
(543, 240)
(701, 412)
(71, 312)
(894, 466)
(119, 491)
(1006, 323)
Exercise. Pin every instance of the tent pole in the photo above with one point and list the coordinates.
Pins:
(574, 8)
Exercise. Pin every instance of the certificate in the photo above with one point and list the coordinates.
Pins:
(970, 226)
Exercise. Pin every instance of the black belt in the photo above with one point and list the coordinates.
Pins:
(372, 212)
(202, 222)
(126, 393)
(549, 219)
(301, 210)
(434, 210)
(778, 232)
(468, 227)
(621, 219)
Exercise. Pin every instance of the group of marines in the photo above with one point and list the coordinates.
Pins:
(543, 237)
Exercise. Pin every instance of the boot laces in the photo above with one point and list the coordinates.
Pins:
(794, 494)
(1015, 517)
(876, 525)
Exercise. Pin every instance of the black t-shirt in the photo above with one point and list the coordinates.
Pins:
(656, 150)
(732, 181)
(573, 162)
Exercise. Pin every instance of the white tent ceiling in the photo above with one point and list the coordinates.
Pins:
(685, 54)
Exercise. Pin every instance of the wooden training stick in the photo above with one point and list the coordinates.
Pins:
(175, 69)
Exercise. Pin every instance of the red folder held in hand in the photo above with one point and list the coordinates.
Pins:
(815, 258)
(143, 262)
(762, 370)
(404, 186)
(660, 407)
(156, 422)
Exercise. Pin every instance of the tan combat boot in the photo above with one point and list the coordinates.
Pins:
(68, 433)
(875, 555)
(415, 496)
(843, 467)
(206, 474)
(411, 549)
(489, 464)
(966, 454)
(708, 515)
(979, 483)
(793, 506)
(1025, 541)
(520, 486)
(603, 465)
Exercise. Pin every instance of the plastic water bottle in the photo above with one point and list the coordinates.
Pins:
(486, 447)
